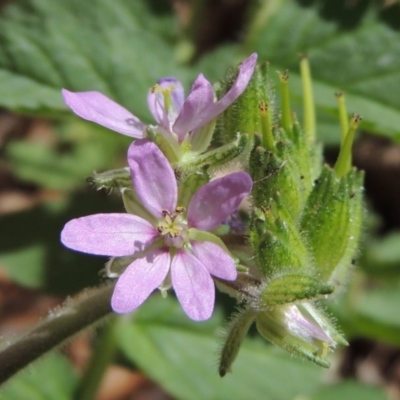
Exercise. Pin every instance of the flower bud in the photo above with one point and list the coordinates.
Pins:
(300, 329)
(331, 223)
(244, 114)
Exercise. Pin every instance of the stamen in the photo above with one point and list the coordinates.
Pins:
(166, 93)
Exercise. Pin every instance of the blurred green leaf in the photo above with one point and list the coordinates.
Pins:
(181, 355)
(48, 379)
(382, 257)
(371, 313)
(350, 390)
(66, 164)
(376, 314)
(31, 252)
(365, 62)
(110, 47)
(119, 48)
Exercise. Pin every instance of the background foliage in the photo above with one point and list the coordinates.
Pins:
(120, 48)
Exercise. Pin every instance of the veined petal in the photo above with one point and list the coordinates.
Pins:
(153, 177)
(193, 286)
(217, 262)
(246, 70)
(96, 107)
(137, 282)
(112, 235)
(155, 100)
(218, 199)
(196, 107)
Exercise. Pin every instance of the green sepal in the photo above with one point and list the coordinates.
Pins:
(134, 206)
(166, 143)
(214, 158)
(201, 140)
(116, 266)
(204, 236)
(113, 180)
(331, 223)
(320, 318)
(243, 114)
(292, 287)
(237, 330)
(189, 184)
(278, 245)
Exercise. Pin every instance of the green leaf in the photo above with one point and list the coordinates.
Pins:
(377, 314)
(67, 163)
(349, 390)
(371, 313)
(382, 257)
(31, 252)
(181, 355)
(109, 47)
(50, 378)
(364, 62)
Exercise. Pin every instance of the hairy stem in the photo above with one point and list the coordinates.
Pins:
(59, 326)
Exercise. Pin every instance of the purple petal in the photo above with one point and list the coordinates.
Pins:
(153, 177)
(193, 286)
(196, 107)
(216, 200)
(96, 107)
(155, 100)
(137, 282)
(215, 259)
(112, 235)
(246, 70)
(304, 328)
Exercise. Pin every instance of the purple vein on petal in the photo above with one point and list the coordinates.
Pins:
(218, 199)
(152, 177)
(195, 108)
(111, 235)
(139, 280)
(96, 107)
(193, 286)
(217, 262)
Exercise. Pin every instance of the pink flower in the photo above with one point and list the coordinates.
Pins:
(174, 115)
(167, 243)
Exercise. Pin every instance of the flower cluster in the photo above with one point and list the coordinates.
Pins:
(167, 243)
(168, 253)
(177, 119)
(182, 229)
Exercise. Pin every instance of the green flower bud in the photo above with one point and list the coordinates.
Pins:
(294, 328)
(277, 243)
(331, 223)
(244, 114)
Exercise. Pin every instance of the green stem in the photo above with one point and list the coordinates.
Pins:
(102, 356)
(308, 99)
(287, 121)
(344, 119)
(343, 163)
(59, 326)
(266, 129)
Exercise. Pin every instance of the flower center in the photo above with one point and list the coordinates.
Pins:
(173, 228)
